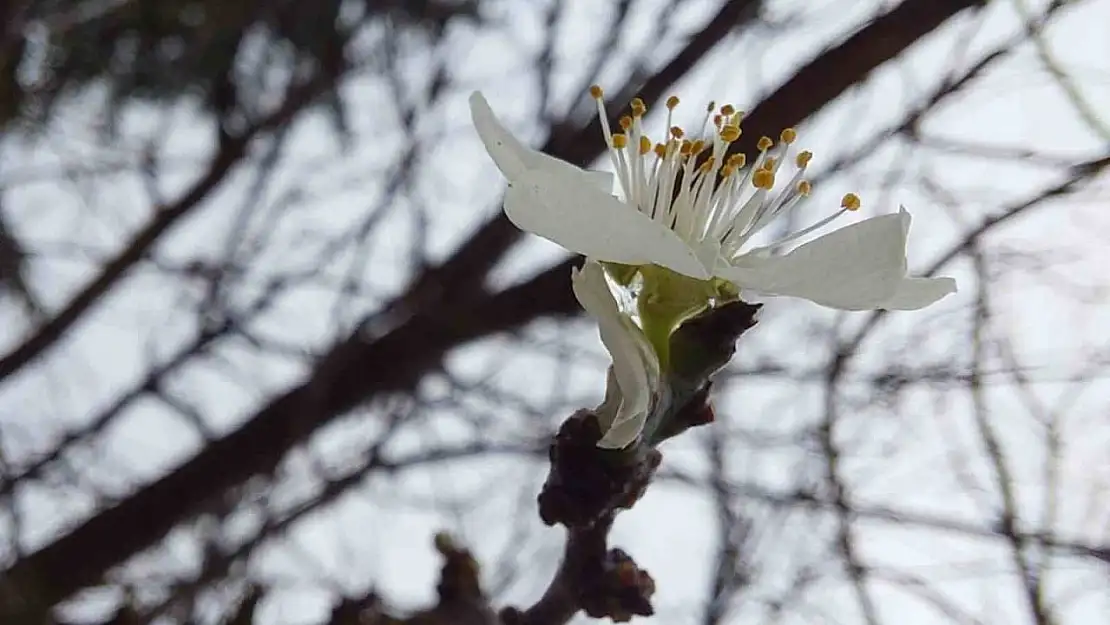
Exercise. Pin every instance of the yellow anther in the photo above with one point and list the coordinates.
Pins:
(737, 160)
(638, 107)
(805, 187)
(802, 160)
(707, 165)
(596, 92)
(645, 145)
(697, 146)
(677, 132)
(763, 179)
(764, 144)
(730, 133)
(625, 122)
(850, 202)
(788, 136)
(728, 110)
(672, 102)
(686, 147)
(727, 171)
(619, 140)
(768, 164)
(660, 150)
(444, 543)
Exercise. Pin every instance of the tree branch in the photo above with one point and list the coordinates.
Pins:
(230, 150)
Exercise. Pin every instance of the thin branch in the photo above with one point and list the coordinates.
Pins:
(732, 533)
(1008, 521)
(1083, 108)
(229, 152)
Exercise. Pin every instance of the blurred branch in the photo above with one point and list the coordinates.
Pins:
(13, 270)
(838, 494)
(169, 50)
(354, 371)
(229, 152)
(836, 70)
(807, 499)
(730, 573)
(1009, 522)
(434, 13)
(1071, 90)
(1080, 174)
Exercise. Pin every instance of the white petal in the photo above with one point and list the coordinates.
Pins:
(632, 365)
(858, 267)
(513, 157)
(623, 433)
(917, 293)
(595, 224)
(592, 291)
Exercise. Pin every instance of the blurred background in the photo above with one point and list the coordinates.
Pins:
(264, 331)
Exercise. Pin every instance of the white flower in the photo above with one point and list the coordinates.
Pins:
(695, 219)
(634, 376)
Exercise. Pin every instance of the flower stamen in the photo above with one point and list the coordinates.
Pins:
(850, 202)
(763, 179)
(696, 188)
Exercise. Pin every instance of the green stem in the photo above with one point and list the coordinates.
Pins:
(658, 329)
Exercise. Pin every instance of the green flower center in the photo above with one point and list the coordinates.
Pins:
(666, 299)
